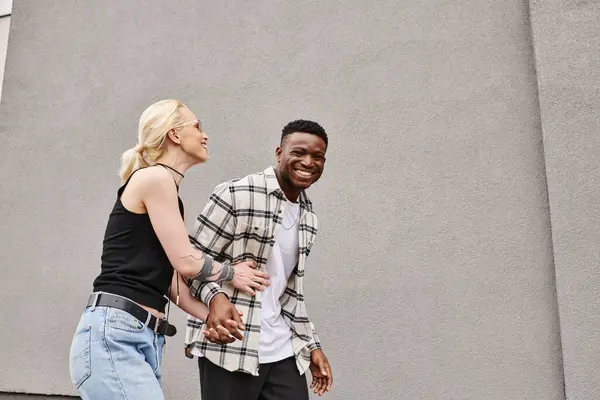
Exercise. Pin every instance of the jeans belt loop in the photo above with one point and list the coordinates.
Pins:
(148, 319)
(96, 296)
(156, 326)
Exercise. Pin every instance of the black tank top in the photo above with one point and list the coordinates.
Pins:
(134, 263)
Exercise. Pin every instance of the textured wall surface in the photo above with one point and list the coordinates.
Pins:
(432, 277)
(567, 47)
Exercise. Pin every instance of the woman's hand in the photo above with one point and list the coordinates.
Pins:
(248, 279)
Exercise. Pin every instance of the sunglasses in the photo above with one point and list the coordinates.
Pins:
(196, 121)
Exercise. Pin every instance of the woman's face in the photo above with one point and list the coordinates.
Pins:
(192, 140)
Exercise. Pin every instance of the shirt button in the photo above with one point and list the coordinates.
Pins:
(279, 211)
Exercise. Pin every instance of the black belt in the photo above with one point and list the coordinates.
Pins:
(160, 326)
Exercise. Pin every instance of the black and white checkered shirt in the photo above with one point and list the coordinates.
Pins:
(240, 222)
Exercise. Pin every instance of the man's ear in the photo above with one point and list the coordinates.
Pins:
(278, 152)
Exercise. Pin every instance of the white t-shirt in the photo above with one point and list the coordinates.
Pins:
(275, 334)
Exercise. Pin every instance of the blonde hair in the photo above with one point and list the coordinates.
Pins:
(155, 123)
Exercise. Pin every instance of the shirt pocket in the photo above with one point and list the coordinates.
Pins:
(255, 238)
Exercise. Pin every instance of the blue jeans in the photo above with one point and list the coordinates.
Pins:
(115, 356)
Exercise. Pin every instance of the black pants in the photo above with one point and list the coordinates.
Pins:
(276, 381)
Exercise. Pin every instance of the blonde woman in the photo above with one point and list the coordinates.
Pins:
(147, 258)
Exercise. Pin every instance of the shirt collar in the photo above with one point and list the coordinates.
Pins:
(273, 187)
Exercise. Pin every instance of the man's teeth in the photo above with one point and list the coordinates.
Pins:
(303, 173)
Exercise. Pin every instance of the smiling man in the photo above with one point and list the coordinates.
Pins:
(266, 217)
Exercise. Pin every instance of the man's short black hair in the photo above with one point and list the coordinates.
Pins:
(304, 126)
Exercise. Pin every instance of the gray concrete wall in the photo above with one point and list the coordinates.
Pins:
(433, 274)
(567, 47)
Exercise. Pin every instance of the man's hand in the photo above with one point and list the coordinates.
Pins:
(223, 321)
(321, 372)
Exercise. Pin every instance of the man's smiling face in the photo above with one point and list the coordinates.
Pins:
(300, 160)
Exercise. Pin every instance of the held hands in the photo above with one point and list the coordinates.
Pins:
(248, 279)
(321, 372)
(223, 321)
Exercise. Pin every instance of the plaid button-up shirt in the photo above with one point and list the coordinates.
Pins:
(240, 222)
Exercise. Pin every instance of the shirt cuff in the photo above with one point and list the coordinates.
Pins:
(209, 291)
